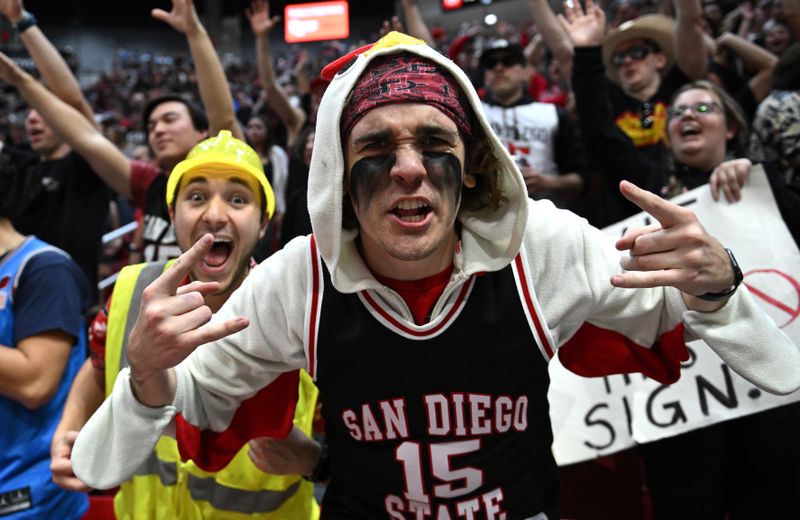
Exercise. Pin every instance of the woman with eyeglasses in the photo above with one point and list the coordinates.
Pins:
(705, 127)
(747, 467)
(708, 139)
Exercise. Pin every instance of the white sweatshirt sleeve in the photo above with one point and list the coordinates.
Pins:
(119, 437)
(573, 265)
(213, 380)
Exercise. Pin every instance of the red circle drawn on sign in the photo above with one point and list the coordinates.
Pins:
(792, 312)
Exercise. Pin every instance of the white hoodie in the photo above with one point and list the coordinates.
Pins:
(568, 265)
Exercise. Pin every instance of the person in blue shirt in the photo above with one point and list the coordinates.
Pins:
(43, 295)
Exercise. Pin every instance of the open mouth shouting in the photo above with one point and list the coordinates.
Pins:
(689, 129)
(216, 259)
(411, 211)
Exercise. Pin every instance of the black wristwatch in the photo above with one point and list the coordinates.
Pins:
(737, 280)
(323, 468)
(26, 21)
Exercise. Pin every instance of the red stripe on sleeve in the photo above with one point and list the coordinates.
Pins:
(269, 413)
(594, 352)
(528, 300)
(312, 321)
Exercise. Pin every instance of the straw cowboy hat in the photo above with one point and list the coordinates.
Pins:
(656, 28)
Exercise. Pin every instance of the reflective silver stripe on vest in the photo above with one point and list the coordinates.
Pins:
(147, 275)
(167, 471)
(220, 497)
(227, 498)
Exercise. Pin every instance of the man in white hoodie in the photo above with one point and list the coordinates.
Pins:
(402, 307)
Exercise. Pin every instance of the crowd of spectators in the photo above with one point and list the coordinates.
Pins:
(118, 95)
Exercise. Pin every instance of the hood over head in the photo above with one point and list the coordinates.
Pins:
(490, 237)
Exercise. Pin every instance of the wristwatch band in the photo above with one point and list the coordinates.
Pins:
(323, 468)
(737, 280)
(25, 22)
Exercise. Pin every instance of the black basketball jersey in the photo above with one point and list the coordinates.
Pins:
(158, 234)
(445, 420)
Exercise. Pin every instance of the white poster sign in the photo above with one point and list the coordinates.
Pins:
(598, 416)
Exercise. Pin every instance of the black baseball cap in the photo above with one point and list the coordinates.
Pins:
(500, 48)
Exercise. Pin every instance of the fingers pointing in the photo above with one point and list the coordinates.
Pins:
(172, 278)
(665, 212)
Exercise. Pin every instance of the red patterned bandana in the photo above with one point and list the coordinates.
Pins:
(401, 78)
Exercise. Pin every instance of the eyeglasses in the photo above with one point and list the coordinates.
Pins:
(506, 60)
(702, 108)
(636, 53)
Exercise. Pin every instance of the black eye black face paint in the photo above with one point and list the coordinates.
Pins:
(368, 176)
(371, 174)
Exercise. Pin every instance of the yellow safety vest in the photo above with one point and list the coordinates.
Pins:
(168, 488)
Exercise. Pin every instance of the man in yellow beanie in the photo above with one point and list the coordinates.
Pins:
(220, 188)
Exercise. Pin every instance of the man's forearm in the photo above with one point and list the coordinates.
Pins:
(754, 57)
(55, 71)
(212, 83)
(156, 389)
(556, 39)
(85, 396)
(415, 23)
(690, 49)
(292, 118)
